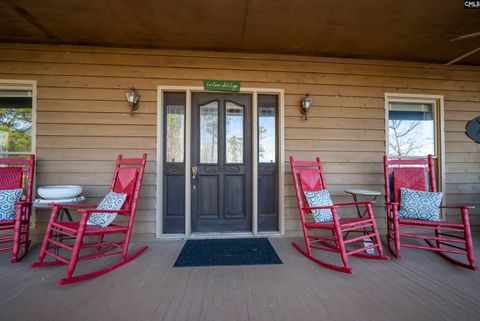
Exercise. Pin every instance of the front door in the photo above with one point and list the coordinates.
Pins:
(221, 163)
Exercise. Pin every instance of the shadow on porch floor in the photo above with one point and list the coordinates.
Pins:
(421, 286)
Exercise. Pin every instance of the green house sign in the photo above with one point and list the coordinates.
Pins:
(221, 85)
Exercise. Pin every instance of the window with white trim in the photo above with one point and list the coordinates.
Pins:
(16, 121)
(413, 126)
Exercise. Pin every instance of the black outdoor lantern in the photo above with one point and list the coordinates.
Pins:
(307, 102)
(132, 98)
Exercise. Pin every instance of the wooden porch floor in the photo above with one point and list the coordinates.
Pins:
(421, 286)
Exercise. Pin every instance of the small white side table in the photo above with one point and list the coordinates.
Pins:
(362, 192)
(42, 203)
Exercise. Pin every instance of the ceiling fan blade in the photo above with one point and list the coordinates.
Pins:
(471, 35)
(462, 56)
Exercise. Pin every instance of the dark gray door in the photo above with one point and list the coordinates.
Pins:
(221, 163)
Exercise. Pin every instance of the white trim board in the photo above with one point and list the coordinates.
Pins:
(281, 152)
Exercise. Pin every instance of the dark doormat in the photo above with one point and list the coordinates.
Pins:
(227, 252)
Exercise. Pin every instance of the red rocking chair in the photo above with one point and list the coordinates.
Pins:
(127, 179)
(419, 174)
(17, 173)
(308, 177)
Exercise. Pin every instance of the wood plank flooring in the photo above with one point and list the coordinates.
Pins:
(421, 286)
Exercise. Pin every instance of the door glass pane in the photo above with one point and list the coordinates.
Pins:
(266, 135)
(411, 129)
(209, 133)
(234, 133)
(15, 121)
(175, 133)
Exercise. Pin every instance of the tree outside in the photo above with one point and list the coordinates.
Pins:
(234, 133)
(15, 129)
(266, 135)
(410, 138)
(175, 133)
(208, 133)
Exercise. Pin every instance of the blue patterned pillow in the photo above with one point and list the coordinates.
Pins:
(419, 205)
(8, 198)
(320, 198)
(113, 201)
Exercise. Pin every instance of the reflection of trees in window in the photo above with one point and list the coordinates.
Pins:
(266, 135)
(234, 133)
(235, 149)
(208, 135)
(175, 132)
(405, 138)
(15, 129)
(411, 129)
(262, 133)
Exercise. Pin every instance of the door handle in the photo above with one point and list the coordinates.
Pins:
(194, 172)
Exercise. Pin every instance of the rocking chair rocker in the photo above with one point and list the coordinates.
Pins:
(308, 177)
(17, 173)
(414, 174)
(127, 179)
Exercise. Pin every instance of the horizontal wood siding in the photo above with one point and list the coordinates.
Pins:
(83, 120)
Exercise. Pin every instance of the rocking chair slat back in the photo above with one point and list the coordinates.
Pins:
(125, 180)
(402, 162)
(408, 173)
(307, 176)
(411, 178)
(310, 180)
(18, 173)
(11, 178)
(129, 161)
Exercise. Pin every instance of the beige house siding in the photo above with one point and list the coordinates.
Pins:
(83, 120)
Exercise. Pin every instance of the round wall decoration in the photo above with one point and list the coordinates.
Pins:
(472, 129)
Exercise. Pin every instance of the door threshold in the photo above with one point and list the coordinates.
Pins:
(220, 235)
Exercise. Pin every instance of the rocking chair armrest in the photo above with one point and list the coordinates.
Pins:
(95, 210)
(458, 206)
(392, 210)
(23, 203)
(392, 204)
(320, 207)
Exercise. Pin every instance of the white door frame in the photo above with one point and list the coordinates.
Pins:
(188, 90)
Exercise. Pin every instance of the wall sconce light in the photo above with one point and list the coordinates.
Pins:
(132, 98)
(307, 102)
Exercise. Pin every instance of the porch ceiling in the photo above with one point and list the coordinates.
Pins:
(390, 29)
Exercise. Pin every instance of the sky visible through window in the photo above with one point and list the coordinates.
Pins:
(417, 142)
(267, 139)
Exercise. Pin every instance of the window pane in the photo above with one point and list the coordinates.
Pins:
(411, 129)
(209, 133)
(234, 133)
(15, 121)
(175, 133)
(266, 135)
